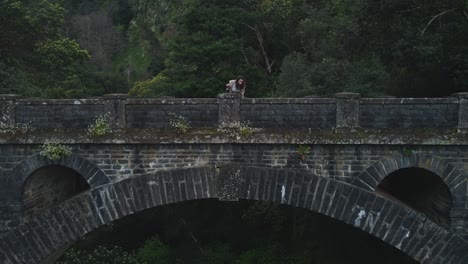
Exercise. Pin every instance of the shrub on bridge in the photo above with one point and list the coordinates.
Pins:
(101, 126)
(180, 123)
(53, 150)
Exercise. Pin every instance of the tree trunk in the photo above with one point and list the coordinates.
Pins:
(258, 33)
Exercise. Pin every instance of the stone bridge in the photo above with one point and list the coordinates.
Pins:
(395, 168)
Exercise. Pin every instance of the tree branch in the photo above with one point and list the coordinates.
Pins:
(436, 16)
(268, 64)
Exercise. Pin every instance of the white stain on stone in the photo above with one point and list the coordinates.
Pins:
(406, 236)
(76, 102)
(283, 194)
(152, 183)
(358, 220)
(372, 220)
(201, 160)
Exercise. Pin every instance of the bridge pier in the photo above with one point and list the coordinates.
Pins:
(229, 108)
(462, 112)
(114, 105)
(347, 111)
(7, 110)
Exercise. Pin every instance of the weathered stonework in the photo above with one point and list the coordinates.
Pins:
(7, 109)
(396, 225)
(143, 163)
(346, 110)
(462, 112)
(229, 109)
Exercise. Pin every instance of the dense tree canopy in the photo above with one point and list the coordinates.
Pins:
(35, 58)
(191, 48)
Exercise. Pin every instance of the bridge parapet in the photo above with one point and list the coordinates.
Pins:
(345, 110)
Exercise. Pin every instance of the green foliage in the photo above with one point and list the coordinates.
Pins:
(180, 123)
(18, 81)
(157, 86)
(154, 250)
(61, 53)
(100, 255)
(35, 59)
(407, 152)
(191, 48)
(217, 252)
(53, 150)
(333, 59)
(100, 127)
(303, 150)
(263, 254)
(207, 51)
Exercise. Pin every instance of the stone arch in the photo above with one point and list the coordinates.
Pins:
(370, 178)
(87, 169)
(454, 179)
(421, 190)
(396, 225)
(50, 185)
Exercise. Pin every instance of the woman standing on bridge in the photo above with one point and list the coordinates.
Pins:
(237, 86)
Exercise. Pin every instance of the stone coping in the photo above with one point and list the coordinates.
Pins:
(268, 136)
(448, 100)
(171, 100)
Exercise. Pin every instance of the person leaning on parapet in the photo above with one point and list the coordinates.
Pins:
(237, 86)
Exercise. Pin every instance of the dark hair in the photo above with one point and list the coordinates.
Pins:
(244, 83)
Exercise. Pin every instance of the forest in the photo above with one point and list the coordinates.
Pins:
(191, 48)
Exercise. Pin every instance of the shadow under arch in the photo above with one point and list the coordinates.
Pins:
(87, 169)
(50, 185)
(396, 225)
(454, 179)
(421, 190)
(370, 178)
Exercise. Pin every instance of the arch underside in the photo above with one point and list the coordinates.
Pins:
(50, 185)
(396, 225)
(421, 190)
(370, 178)
(86, 169)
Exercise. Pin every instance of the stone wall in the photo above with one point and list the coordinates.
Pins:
(409, 113)
(289, 113)
(58, 113)
(346, 110)
(341, 162)
(156, 113)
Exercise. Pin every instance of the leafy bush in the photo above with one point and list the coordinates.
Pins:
(180, 123)
(153, 250)
(100, 127)
(100, 255)
(303, 150)
(53, 150)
